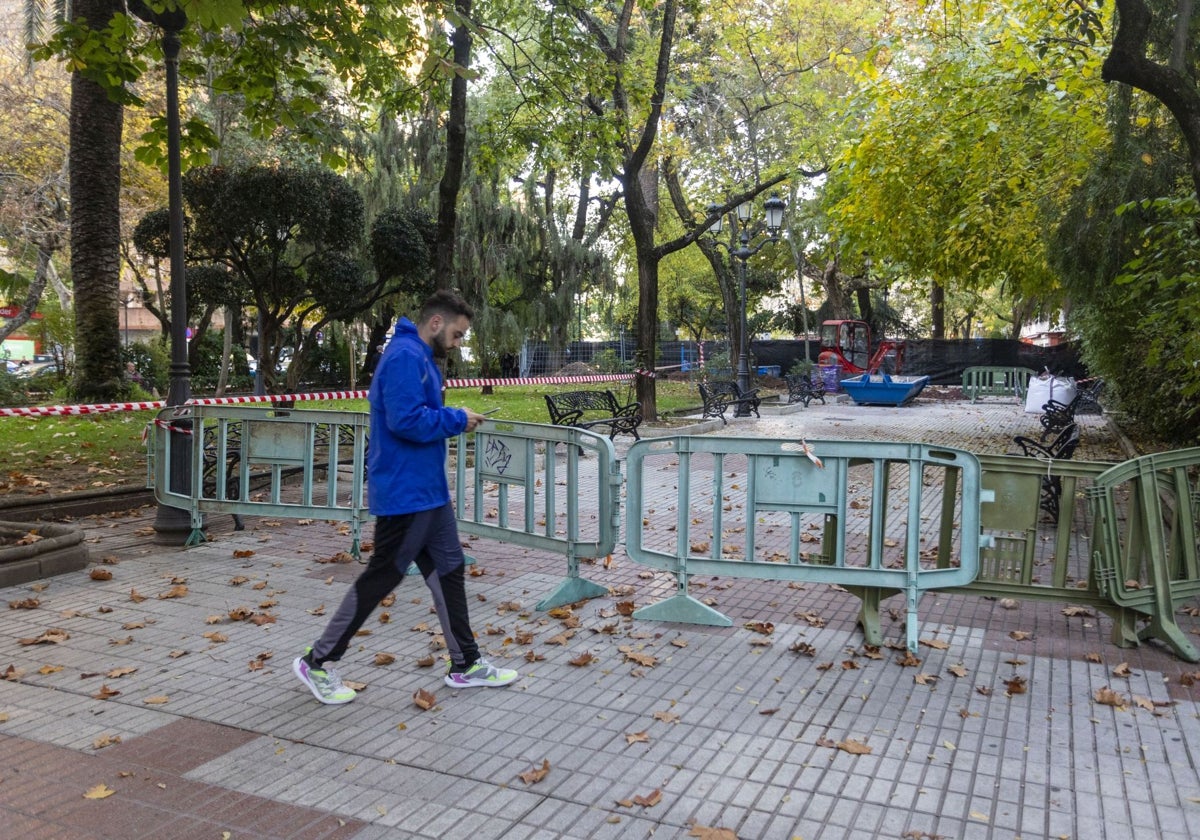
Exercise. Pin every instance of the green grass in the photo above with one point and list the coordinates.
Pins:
(95, 451)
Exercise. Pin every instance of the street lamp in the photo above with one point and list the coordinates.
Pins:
(173, 524)
(774, 207)
(125, 303)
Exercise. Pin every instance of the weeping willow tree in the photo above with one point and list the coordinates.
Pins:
(524, 268)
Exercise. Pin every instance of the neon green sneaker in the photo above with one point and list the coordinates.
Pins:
(324, 683)
(482, 673)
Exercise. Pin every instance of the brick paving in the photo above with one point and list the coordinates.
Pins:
(210, 736)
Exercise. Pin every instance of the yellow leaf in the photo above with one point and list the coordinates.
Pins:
(157, 700)
(100, 791)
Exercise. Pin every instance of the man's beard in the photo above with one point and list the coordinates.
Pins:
(440, 350)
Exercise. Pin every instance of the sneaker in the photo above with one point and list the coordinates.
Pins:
(481, 673)
(324, 683)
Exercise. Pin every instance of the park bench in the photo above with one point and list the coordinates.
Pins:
(1059, 415)
(1062, 448)
(719, 395)
(986, 381)
(592, 410)
(801, 388)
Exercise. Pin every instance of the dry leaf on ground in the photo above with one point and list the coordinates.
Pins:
(535, 773)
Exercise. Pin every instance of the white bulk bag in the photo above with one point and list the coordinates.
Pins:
(1042, 389)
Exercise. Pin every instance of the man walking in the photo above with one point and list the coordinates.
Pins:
(409, 495)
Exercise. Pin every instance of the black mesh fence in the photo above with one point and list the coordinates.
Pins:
(943, 360)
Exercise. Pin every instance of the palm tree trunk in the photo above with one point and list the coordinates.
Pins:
(95, 172)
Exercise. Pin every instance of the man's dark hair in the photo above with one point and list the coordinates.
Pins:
(447, 304)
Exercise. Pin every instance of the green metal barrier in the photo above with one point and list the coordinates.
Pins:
(1145, 540)
(984, 381)
(853, 513)
(303, 464)
(525, 486)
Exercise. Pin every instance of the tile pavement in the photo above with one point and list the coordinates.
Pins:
(719, 732)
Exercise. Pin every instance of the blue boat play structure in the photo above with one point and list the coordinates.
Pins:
(883, 389)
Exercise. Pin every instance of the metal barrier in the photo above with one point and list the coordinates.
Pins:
(983, 381)
(853, 513)
(1145, 540)
(309, 463)
(527, 486)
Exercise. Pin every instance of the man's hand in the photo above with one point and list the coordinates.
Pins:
(473, 419)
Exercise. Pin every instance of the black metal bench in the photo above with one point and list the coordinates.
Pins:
(802, 388)
(1059, 415)
(720, 395)
(594, 409)
(1062, 448)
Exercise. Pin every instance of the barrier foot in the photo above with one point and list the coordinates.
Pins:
(570, 591)
(196, 537)
(868, 612)
(1172, 634)
(684, 609)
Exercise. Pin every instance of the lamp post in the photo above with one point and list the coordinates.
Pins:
(172, 524)
(774, 207)
(125, 303)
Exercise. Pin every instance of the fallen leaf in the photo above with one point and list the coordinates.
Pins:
(1015, 685)
(958, 670)
(925, 679)
(1122, 670)
(644, 659)
(105, 693)
(936, 644)
(136, 596)
(157, 700)
(853, 747)
(424, 699)
(1076, 610)
(243, 552)
(650, 800)
(27, 604)
(585, 658)
(666, 716)
(1020, 635)
(101, 791)
(764, 627)
(105, 741)
(215, 637)
(382, 659)
(535, 773)
(49, 669)
(116, 673)
(53, 636)
(1107, 697)
(703, 832)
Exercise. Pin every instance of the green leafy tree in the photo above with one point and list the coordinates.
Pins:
(289, 235)
(275, 49)
(969, 134)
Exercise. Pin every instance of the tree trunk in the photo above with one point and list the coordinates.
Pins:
(456, 150)
(95, 172)
(937, 305)
(1128, 62)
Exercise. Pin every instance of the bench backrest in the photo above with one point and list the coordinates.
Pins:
(721, 387)
(584, 401)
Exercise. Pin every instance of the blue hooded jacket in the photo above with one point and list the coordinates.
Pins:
(406, 459)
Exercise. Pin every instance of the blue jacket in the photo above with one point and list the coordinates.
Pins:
(406, 459)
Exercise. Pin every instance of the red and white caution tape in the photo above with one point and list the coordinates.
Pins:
(107, 408)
